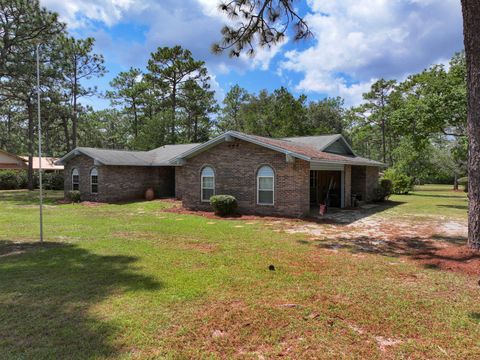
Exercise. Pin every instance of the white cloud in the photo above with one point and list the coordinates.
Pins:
(193, 24)
(360, 40)
(78, 13)
(215, 86)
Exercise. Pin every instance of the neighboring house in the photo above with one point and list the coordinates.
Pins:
(10, 161)
(48, 164)
(267, 176)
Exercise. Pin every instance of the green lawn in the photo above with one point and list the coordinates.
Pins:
(132, 281)
(428, 200)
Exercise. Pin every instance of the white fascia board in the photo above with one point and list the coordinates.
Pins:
(347, 163)
(66, 157)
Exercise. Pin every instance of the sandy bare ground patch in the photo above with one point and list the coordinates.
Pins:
(434, 242)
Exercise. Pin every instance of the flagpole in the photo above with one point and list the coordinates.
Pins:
(39, 145)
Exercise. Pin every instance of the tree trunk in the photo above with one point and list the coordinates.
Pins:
(195, 129)
(384, 144)
(31, 135)
(471, 31)
(174, 108)
(74, 122)
(66, 133)
(455, 182)
(74, 110)
(135, 119)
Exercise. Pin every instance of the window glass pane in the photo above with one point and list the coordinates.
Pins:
(94, 179)
(265, 197)
(208, 182)
(94, 188)
(76, 179)
(265, 183)
(207, 194)
(265, 171)
(208, 171)
(75, 187)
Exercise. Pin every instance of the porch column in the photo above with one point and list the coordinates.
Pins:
(347, 183)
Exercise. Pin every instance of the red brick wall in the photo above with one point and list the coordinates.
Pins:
(119, 183)
(235, 164)
(371, 181)
(364, 180)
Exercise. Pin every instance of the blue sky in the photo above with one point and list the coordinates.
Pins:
(355, 43)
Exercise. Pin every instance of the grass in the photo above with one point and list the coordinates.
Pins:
(132, 281)
(432, 200)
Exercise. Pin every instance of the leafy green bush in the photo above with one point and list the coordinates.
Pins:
(16, 179)
(9, 180)
(53, 181)
(22, 179)
(74, 196)
(386, 185)
(382, 192)
(223, 204)
(401, 183)
(378, 194)
(463, 181)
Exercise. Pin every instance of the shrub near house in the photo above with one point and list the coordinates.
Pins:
(11, 179)
(17, 179)
(400, 183)
(223, 205)
(383, 191)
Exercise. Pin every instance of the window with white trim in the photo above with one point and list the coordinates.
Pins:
(75, 180)
(265, 186)
(94, 181)
(208, 183)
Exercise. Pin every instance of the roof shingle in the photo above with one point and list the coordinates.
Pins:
(312, 152)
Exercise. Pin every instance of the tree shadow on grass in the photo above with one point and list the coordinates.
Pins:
(25, 197)
(459, 207)
(414, 247)
(45, 296)
(440, 196)
(365, 244)
(475, 316)
(436, 252)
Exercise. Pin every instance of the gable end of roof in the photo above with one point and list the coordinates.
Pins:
(227, 137)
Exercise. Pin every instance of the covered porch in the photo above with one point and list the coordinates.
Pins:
(340, 185)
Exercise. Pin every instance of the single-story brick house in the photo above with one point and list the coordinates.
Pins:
(268, 176)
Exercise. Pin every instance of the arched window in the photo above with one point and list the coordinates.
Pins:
(94, 181)
(75, 180)
(265, 185)
(208, 183)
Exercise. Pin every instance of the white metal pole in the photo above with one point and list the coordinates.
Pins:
(39, 145)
